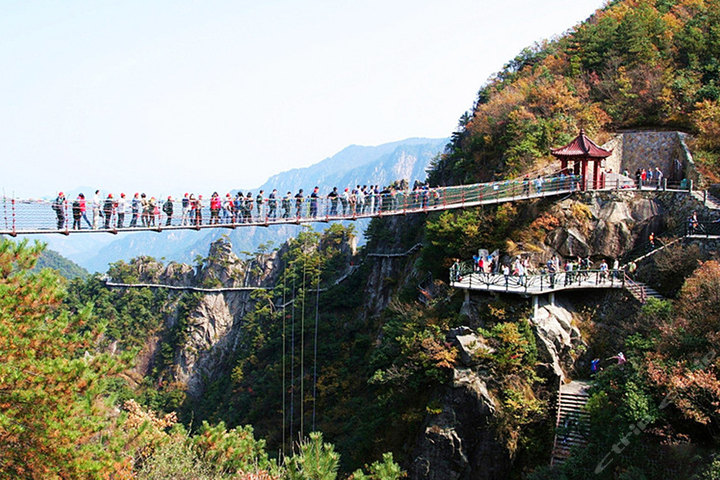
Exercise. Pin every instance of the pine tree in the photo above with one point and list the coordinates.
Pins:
(52, 413)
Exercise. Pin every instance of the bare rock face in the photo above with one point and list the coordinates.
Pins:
(469, 345)
(606, 224)
(557, 338)
(460, 442)
(211, 336)
(178, 274)
(208, 325)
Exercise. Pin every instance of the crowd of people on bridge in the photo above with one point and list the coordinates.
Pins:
(112, 211)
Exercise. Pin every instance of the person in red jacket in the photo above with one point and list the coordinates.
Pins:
(215, 205)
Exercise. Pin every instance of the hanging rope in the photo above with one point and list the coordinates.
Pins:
(302, 352)
(292, 362)
(283, 361)
(317, 310)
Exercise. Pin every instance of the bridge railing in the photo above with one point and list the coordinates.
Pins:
(19, 216)
(704, 229)
(464, 274)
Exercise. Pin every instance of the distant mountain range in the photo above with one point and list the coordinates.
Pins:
(381, 165)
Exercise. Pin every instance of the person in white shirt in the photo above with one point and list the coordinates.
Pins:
(96, 203)
(506, 273)
(121, 209)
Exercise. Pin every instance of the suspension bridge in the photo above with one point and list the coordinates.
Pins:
(27, 217)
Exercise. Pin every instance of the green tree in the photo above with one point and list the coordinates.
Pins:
(314, 460)
(52, 381)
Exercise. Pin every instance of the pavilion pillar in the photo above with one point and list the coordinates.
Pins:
(576, 167)
(583, 175)
(564, 166)
(596, 174)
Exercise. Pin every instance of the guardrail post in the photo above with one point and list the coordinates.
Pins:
(690, 185)
(12, 206)
(664, 183)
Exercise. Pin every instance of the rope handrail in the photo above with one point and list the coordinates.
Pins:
(399, 254)
(182, 287)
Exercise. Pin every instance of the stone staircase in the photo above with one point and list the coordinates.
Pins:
(706, 199)
(642, 291)
(572, 424)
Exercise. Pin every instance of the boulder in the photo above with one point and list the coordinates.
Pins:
(461, 442)
(469, 346)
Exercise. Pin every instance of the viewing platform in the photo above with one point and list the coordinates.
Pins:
(461, 276)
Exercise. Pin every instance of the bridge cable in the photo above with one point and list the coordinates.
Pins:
(284, 360)
(292, 361)
(317, 313)
(302, 351)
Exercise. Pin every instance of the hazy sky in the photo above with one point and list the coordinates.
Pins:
(173, 96)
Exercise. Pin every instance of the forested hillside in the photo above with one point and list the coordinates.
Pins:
(66, 268)
(634, 64)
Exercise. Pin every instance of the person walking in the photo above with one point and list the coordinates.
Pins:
(248, 207)
(83, 209)
(286, 203)
(198, 211)
(314, 196)
(58, 205)
(135, 206)
(345, 200)
(168, 210)
(145, 216)
(96, 204)
(632, 267)
(153, 210)
(651, 239)
(333, 197)
(185, 212)
(228, 207)
(121, 210)
(616, 268)
(215, 205)
(76, 214)
(603, 271)
(259, 201)
(299, 198)
(108, 210)
(272, 204)
(238, 208)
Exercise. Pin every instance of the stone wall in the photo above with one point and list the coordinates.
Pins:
(650, 149)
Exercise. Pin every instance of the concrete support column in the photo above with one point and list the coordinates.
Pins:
(535, 306)
(551, 298)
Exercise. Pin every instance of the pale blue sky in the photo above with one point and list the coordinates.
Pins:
(173, 96)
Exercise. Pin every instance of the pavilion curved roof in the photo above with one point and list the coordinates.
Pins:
(582, 147)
